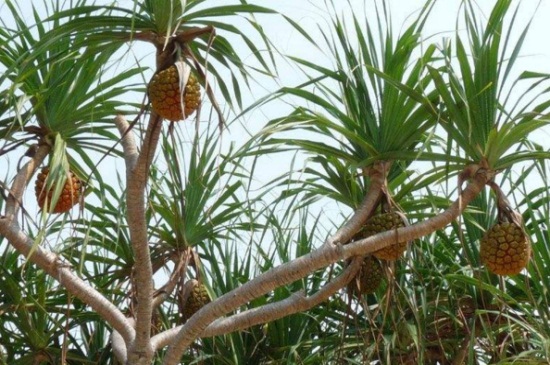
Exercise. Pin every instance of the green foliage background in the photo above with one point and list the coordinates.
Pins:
(430, 104)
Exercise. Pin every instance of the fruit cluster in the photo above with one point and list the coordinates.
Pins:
(382, 223)
(369, 277)
(198, 298)
(166, 95)
(70, 194)
(505, 249)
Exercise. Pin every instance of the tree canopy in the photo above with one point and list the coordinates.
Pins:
(404, 219)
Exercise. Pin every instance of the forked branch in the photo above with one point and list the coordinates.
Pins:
(296, 303)
(377, 175)
(322, 257)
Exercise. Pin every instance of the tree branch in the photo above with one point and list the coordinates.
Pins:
(140, 352)
(377, 175)
(304, 265)
(128, 142)
(194, 32)
(119, 345)
(52, 265)
(24, 175)
(47, 260)
(420, 229)
(294, 304)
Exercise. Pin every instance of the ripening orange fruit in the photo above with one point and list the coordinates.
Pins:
(165, 94)
(69, 195)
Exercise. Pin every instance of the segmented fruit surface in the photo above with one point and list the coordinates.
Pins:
(69, 195)
(192, 95)
(381, 223)
(505, 249)
(197, 299)
(368, 278)
(165, 94)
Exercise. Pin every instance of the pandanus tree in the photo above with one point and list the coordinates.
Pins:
(393, 102)
(186, 249)
(58, 94)
(368, 141)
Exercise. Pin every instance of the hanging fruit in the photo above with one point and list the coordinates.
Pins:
(505, 248)
(70, 194)
(166, 96)
(382, 223)
(368, 279)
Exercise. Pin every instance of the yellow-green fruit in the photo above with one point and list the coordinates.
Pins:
(197, 299)
(69, 195)
(368, 278)
(381, 223)
(505, 249)
(165, 94)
